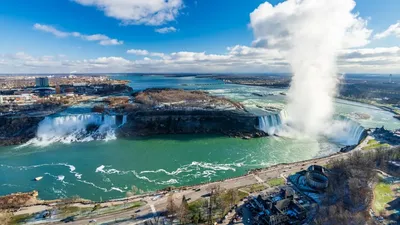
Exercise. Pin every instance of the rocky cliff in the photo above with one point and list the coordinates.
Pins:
(17, 130)
(230, 123)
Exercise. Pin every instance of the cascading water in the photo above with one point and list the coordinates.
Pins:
(345, 131)
(341, 130)
(77, 128)
(271, 124)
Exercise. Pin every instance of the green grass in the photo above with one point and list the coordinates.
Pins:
(374, 144)
(382, 195)
(242, 194)
(257, 187)
(136, 205)
(20, 218)
(276, 182)
(67, 210)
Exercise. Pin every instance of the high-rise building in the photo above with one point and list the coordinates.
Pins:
(42, 81)
(390, 78)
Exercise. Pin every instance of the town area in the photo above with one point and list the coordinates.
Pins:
(44, 95)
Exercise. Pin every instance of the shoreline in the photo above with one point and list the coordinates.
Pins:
(384, 108)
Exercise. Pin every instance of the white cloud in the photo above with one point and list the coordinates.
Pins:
(165, 30)
(272, 24)
(100, 38)
(141, 52)
(148, 12)
(50, 29)
(237, 58)
(393, 29)
(137, 52)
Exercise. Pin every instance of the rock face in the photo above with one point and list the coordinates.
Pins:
(234, 124)
(173, 111)
(17, 130)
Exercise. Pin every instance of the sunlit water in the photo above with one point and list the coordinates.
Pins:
(106, 169)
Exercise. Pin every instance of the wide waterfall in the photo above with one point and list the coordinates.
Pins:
(341, 130)
(77, 128)
(345, 131)
(272, 123)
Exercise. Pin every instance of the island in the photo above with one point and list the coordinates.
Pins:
(174, 111)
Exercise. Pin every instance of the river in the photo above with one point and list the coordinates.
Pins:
(106, 169)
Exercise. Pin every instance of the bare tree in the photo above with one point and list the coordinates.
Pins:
(171, 207)
(183, 213)
(215, 201)
(231, 197)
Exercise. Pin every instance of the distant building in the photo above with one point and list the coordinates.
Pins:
(42, 81)
(17, 99)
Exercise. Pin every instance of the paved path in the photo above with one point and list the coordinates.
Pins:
(258, 178)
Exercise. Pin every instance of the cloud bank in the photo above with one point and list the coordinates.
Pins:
(273, 26)
(237, 58)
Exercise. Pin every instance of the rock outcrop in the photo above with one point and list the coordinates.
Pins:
(17, 130)
(153, 122)
(173, 111)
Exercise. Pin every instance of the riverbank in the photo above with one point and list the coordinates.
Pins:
(386, 108)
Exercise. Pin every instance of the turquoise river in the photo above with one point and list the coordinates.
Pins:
(106, 169)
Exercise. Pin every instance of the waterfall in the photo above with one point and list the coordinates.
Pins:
(341, 130)
(345, 131)
(272, 123)
(77, 128)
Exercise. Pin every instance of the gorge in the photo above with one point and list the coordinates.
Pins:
(103, 154)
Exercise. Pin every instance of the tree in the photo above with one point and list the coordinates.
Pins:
(171, 207)
(231, 197)
(183, 213)
(214, 201)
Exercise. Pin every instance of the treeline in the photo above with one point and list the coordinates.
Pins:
(350, 186)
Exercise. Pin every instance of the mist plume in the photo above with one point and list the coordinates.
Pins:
(309, 33)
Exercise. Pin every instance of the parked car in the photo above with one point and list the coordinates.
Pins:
(68, 219)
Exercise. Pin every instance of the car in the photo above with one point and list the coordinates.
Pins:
(68, 219)
(197, 190)
(156, 197)
(137, 211)
(92, 221)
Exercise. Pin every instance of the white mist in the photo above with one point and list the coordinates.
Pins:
(309, 34)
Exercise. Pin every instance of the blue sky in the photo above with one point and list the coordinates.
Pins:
(205, 27)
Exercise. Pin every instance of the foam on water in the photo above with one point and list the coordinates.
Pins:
(181, 174)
